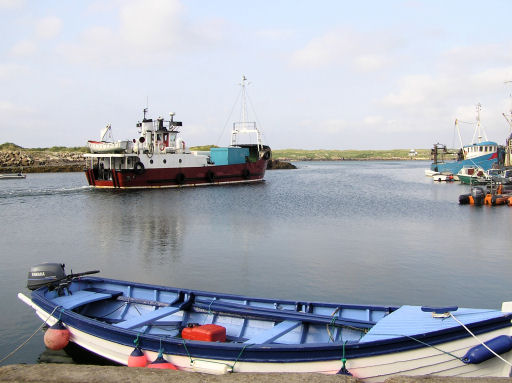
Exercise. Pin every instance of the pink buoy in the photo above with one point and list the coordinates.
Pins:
(56, 337)
(137, 358)
(161, 363)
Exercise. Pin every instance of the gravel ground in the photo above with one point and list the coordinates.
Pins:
(72, 373)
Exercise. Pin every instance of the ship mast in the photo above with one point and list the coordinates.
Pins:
(478, 129)
(244, 126)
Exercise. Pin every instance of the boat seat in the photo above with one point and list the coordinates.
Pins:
(147, 317)
(80, 298)
(273, 333)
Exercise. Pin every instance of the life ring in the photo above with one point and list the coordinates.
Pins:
(162, 147)
(246, 174)
(138, 168)
(180, 178)
(210, 176)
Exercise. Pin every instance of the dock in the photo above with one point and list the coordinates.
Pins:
(74, 373)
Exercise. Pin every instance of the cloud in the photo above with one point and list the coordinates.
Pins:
(8, 107)
(344, 46)
(10, 71)
(24, 48)
(151, 24)
(44, 29)
(11, 4)
(373, 120)
(147, 31)
(414, 90)
(323, 51)
(275, 34)
(48, 27)
(369, 62)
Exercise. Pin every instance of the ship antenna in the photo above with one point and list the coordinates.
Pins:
(243, 84)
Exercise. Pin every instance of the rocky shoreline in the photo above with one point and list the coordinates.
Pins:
(40, 161)
(16, 161)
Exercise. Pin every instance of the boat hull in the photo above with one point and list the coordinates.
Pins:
(12, 176)
(435, 346)
(180, 177)
(485, 162)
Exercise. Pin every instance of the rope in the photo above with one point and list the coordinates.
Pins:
(331, 324)
(478, 339)
(136, 342)
(30, 337)
(188, 353)
(239, 355)
(232, 367)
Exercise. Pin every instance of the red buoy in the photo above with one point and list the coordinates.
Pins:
(161, 363)
(137, 358)
(56, 337)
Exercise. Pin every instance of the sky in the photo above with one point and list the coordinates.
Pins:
(323, 74)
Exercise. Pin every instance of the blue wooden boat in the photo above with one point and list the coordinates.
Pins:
(110, 317)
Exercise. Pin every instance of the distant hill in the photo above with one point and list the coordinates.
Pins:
(10, 146)
(336, 155)
(203, 148)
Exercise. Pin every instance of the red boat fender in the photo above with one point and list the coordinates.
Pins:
(56, 337)
(137, 358)
(162, 364)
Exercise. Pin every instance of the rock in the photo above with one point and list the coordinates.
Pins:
(277, 164)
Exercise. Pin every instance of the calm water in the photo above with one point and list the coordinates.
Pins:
(355, 232)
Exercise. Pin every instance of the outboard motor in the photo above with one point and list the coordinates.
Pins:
(478, 195)
(51, 275)
(464, 199)
(45, 274)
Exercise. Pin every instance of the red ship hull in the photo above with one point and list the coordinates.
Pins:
(178, 177)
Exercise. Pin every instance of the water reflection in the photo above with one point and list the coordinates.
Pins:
(149, 226)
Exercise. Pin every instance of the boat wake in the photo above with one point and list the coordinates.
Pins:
(39, 192)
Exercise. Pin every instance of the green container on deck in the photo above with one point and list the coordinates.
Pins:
(229, 156)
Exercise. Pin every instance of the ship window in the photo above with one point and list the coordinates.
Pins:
(165, 161)
(180, 161)
(150, 161)
(481, 148)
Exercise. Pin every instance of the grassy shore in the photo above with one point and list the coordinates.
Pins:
(337, 155)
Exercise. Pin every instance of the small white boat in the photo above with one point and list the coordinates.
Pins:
(430, 172)
(12, 176)
(107, 146)
(440, 177)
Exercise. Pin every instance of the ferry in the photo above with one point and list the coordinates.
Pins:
(159, 157)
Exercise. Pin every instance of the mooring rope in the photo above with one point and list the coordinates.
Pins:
(30, 337)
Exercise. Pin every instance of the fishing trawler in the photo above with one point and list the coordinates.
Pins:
(159, 157)
(482, 154)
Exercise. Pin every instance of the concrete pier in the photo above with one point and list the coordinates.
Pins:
(73, 373)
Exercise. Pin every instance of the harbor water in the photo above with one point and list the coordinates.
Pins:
(353, 232)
